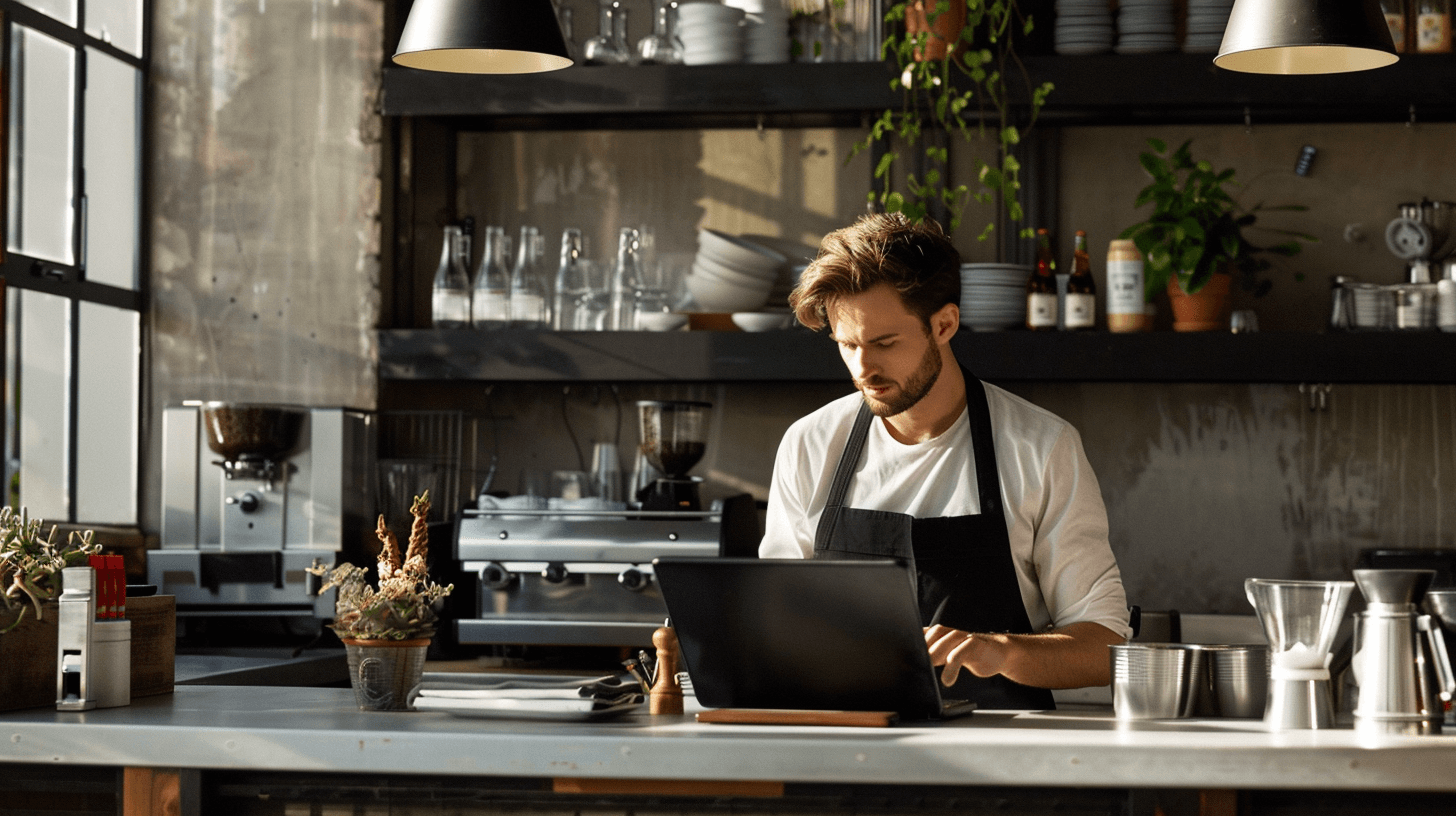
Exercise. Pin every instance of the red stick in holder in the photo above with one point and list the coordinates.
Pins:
(118, 575)
(103, 588)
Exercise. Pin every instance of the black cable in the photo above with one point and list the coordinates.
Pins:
(580, 459)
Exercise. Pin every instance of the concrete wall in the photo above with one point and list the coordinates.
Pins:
(264, 176)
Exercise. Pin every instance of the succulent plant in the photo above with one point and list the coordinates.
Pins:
(31, 564)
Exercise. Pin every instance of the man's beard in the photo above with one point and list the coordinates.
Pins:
(916, 386)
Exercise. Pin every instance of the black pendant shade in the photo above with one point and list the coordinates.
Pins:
(482, 37)
(1305, 37)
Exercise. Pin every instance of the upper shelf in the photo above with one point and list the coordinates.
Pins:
(1106, 88)
(797, 356)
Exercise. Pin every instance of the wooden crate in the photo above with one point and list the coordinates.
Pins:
(28, 653)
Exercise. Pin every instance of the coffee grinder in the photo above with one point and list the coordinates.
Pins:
(674, 438)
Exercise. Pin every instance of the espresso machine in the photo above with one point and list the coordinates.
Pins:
(253, 495)
(674, 438)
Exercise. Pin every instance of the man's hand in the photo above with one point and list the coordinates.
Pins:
(1071, 657)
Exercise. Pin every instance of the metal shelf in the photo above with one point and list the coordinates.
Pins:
(1012, 356)
(1109, 88)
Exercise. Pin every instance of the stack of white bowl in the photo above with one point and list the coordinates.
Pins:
(993, 296)
(1145, 27)
(765, 28)
(798, 254)
(732, 275)
(1206, 21)
(1083, 27)
(711, 32)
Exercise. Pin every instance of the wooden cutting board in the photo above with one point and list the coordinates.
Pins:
(796, 716)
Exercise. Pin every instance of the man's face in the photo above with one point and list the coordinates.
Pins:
(888, 350)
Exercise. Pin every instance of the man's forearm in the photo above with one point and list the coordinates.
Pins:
(1071, 657)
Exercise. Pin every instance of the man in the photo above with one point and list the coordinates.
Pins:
(991, 496)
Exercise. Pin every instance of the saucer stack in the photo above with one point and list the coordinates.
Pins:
(765, 30)
(1206, 22)
(1145, 27)
(711, 33)
(1083, 27)
(993, 296)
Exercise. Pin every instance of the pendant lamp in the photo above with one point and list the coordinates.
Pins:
(1305, 37)
(482, 37)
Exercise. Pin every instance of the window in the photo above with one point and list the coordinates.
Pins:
(74, 82)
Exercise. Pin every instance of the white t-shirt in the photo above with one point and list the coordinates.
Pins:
(1054, 512)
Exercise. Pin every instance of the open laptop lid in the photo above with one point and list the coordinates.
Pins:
(781, 633)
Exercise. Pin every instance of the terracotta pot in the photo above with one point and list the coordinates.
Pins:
(384, 672)
(944, 35)
(1207, 310)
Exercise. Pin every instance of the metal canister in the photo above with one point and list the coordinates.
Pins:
(1342, 308)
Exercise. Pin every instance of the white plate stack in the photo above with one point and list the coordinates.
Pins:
(1145, 27)
(711, 33)
(993, 296)
(1083, 27)
(731, 274)
(1206, 21)
(765, 30)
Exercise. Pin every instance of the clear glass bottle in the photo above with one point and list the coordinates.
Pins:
(659, 47)
(568, 29)
(490, 307)
(624, 281)
(530, 296)
(450, 293)
(619, 33)
(602, 49)
(572, 286)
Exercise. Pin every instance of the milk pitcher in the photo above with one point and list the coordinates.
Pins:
(1400, 662)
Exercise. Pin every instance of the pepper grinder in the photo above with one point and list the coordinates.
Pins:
(666, 696)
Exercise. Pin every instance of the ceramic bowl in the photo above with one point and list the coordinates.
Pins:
(737, 252)
(762, 321)
(661, 321)
(715, 295)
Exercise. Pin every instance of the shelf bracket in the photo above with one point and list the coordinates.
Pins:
(1248, 120)
(1411, 122)
(1317, 395)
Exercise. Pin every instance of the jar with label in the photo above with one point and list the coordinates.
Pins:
(1126, 301)
(1433, 26)
(1395, 14)
(1041, 288)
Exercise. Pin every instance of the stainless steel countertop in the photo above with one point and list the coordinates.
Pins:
(262, 667)
(313, 729)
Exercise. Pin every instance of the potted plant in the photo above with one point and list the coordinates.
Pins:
(30, 582)
(1193, 242)
(958, 72)
(387, 629)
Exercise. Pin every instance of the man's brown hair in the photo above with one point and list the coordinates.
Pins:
(917, 260)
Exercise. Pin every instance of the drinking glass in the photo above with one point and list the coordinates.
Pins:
(594, 305)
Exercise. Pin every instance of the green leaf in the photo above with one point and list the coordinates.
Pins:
(886, 161)
(894, 203)
(1158, 145)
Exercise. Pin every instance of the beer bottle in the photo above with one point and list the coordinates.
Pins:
(1041, 289)
(1081, 302)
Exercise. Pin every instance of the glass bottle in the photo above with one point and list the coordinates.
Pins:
(1081, 302)
(602, 49)
(1041, 288)
(490, 307)
(659, 48)
(624, 281)
(450, 293)
(568, 29)
(1433, 26)
(619, 33)
(529, 296)
(572, 285)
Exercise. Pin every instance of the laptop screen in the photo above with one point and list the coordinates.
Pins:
(780, 633)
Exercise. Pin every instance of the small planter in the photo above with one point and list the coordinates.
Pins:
(28, 659)
(383, 672)
(945, 34)
(1206, 310)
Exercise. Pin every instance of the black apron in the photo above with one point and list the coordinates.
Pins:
(963, 567)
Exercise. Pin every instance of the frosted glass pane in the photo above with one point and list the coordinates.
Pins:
(42, 135)
(63, 10)
(112, 164)
(106, 415)
(118, 22)
(45, 388)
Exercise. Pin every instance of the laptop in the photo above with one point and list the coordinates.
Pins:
(792, 634)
